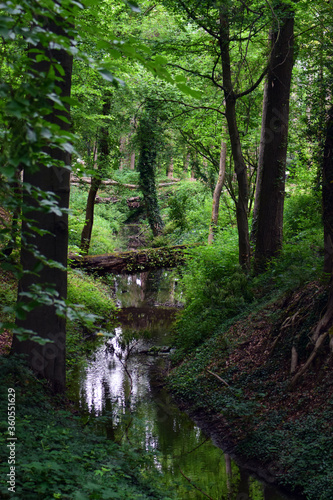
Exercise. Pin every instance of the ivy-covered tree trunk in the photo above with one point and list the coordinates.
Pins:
(269, 230)
(149, 137)
(45, 233)
(103, 151)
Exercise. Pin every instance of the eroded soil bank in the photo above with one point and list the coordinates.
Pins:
(237, 387)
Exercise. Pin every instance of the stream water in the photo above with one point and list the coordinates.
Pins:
(119, 384)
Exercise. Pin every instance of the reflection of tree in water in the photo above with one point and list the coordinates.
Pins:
(140, 318)
(150, 285)
(107, 410)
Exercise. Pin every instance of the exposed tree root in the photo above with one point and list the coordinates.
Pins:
(219, 378)
(194, 485)
(324, 326)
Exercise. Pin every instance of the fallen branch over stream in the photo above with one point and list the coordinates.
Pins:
(77, 181)
(132, 261)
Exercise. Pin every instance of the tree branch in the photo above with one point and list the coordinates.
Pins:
(196, 73)
(194, 107)
(197, 20)
(256, 84)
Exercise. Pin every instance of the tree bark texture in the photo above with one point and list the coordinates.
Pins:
(48, 360)
(274, 151)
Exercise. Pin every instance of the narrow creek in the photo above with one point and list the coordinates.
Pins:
(119, 384)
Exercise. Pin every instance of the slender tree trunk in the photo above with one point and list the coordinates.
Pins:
(89, 218)
(260, 167)
(217, 193)
(132, 165)
(274, 152)
(186, 162)
(122, 147)
(170, 169)
(48, 360)
(100, 158)
(236, 148)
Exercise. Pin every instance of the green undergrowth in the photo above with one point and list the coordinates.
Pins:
(108, 221)
(217, 368)
(217, 290)
(97, 310)
(94, 298)
(186, 211)
(288, 432)
(58, 458)
(8, 294)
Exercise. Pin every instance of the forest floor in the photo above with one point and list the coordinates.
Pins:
(239, 391)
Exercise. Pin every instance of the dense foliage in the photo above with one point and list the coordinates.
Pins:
(156, 90)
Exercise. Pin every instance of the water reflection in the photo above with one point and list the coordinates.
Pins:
(120, 385)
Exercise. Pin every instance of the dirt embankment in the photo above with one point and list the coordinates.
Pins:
(241, 394)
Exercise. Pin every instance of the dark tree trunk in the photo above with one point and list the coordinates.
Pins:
(236, 148)
(89, 219)
(327, 192)
(271, 192)
(16, 214)
(48, 360)
(324, 326)
(102, 154)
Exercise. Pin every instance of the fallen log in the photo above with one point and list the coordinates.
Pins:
(108, 199)
(132, 261)
(77, 181)
(133, 202)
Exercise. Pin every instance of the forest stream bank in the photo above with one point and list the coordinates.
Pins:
(237, 387)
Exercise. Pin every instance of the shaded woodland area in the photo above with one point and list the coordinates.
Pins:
(173, 133)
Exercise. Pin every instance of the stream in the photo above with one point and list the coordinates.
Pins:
(119, 384)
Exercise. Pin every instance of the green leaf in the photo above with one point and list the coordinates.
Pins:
(63, 118)
(180, 78)
(189, 91)
(31, 135)
(161, 60)
(107, 75)
(55, 98)
(67, 146)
